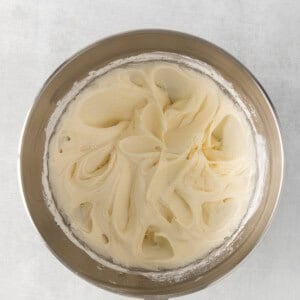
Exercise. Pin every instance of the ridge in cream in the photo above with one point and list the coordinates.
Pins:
(152, 165)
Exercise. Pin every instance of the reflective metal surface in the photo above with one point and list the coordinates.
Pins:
(94, 57)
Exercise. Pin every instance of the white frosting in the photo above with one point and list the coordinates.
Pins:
(152, 165)
(216, 255)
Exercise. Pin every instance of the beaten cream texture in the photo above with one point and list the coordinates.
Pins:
(152, 165)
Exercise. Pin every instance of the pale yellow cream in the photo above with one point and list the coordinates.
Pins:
(152, 165)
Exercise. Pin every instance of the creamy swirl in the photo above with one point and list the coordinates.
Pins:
(152, 165)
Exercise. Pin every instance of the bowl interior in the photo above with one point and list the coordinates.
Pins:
(95, 57)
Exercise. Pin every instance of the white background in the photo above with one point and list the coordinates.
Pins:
(37, 36)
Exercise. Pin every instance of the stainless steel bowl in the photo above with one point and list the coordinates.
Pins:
(95, 57)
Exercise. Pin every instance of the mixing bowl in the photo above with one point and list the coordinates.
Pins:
(97, 56)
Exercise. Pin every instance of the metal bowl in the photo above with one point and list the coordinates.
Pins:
(96, 56)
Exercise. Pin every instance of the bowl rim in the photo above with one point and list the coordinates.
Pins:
(272, 110)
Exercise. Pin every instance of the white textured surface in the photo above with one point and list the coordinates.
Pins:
(37, 36)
